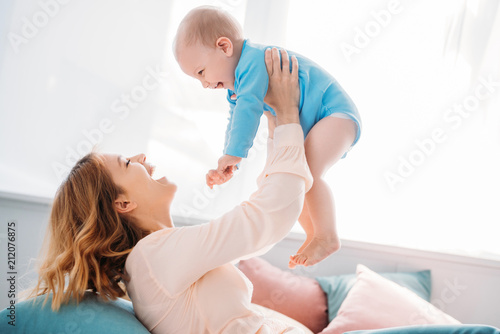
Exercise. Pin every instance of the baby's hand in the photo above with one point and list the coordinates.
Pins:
(224, 172)
(227, 165)
(213, 178)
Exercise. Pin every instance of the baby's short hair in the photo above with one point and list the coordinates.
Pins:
(206, 24)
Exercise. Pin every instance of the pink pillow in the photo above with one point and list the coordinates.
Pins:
(300, 298)
(375, 302)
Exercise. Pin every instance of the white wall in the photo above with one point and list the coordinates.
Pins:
(30, 216)
(61, 78)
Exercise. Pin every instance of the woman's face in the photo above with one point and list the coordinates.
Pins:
(134, 176)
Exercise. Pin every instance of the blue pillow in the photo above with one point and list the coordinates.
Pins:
(337, 287)
(433, 329)
(91, 315)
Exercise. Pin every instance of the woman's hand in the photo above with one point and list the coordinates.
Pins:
(283, 93)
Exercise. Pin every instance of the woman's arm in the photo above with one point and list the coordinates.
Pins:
(185, 254)
(277, 101)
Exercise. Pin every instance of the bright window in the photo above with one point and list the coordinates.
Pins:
(425, 172)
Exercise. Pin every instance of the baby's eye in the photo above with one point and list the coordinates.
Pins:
(200, 72)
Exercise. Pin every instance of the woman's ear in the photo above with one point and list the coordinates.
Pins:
(123, 205)
(225, 45)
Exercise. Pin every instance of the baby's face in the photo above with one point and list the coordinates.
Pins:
(214, 67)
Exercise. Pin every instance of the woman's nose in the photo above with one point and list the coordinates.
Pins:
(141, 158)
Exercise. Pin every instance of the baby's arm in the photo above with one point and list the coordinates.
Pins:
(252, 88)
(226, 164)
(245, 113)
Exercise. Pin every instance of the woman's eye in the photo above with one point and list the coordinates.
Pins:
(128, 161)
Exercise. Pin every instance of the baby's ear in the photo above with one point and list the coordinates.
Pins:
(225, 44)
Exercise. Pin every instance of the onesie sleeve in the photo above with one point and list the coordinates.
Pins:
(252, 81)
(232, 104)
(178, 257)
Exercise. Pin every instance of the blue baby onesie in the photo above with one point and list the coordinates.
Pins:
(320, 96)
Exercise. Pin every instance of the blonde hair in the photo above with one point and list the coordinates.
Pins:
(206, 24)
(87, 241)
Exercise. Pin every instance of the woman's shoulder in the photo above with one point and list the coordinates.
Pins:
(156, 238)
(153, 259)
(141, 261)
(149, 244)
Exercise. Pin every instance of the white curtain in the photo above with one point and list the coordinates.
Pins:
(474, 40)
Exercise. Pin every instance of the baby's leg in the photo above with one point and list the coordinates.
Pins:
(325, 144)
(306, 223)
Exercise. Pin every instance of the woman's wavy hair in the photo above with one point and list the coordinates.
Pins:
(87, 240)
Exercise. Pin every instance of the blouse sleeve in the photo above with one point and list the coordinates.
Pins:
(178, 257)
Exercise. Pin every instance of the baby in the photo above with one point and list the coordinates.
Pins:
(209, 46)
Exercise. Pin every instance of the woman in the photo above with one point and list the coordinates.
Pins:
(111, 221)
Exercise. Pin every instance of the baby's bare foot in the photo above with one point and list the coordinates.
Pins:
(317, 250)
(309, 238)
